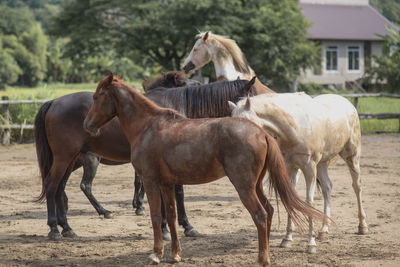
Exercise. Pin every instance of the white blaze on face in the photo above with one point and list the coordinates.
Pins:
(199, 55)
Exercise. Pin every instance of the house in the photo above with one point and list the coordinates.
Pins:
(347, 31)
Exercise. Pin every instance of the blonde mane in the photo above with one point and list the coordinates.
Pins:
(229, 47)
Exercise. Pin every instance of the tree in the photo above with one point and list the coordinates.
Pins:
(389, 8)
(23, 40)
(386, 69)
(160, 32)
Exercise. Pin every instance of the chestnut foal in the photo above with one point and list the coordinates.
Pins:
(169, 149)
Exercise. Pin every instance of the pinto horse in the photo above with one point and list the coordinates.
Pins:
(229, 61)
(311, 133)
(167, 149)
(60, 153)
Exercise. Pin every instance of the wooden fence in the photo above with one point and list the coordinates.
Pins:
(6, 128)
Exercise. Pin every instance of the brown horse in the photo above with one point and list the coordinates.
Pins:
(62, 145)
(167, 149)
(170, 79)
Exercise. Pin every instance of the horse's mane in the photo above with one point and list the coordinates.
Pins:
(143, 101)
(231, 47)
(202, 101)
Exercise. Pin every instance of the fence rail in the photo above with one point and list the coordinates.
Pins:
(5, 129)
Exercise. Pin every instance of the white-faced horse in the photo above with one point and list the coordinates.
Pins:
(311, 132)
(229, 61)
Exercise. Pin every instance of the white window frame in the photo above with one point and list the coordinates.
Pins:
(351, 48)
(329, 48)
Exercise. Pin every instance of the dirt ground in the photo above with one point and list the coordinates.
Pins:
(228, 235)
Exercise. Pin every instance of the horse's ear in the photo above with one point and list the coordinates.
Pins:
(232, 105)
(250, 84)
(110, 78)
(253, 80)
(121, 76)
(247, 106)
(205, 37)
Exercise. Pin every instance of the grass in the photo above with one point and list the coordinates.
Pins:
(46, 91)
(379, 105)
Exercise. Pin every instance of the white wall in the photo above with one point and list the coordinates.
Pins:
(342, 75)
(337, 2)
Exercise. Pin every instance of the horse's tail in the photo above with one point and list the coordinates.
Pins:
(43, 151)
(297, 209)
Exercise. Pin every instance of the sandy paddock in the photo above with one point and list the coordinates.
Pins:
(228, 235)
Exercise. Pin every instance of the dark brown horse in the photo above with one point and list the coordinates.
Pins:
(170, 79)
(62, 145)
(168, 149)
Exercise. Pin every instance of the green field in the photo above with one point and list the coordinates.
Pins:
(379, 105)
(25, 114)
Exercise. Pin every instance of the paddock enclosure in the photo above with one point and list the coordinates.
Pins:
(228, 236)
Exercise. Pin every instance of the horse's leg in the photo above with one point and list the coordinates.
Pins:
(266, 204)
(164, 230)
(182, 218)
(90, 164)
(288, 239)
(61, 212)
(167, 192)
(52, 181)
(154, 198)
(326, 187)
(245, 182)
(310, 171)
(138, 196)
(259, 215)
(353, 162)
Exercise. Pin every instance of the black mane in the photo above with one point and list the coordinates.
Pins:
(203, 101)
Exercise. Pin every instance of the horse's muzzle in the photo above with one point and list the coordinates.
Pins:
(188, 67)
(91, 128)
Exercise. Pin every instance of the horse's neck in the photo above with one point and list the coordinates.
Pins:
(225, 70)
(261, 88)
(134, 113)
(278, 122)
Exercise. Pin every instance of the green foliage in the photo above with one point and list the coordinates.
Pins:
(386, 71)
(389, 8)
(9, 69)
(159, 33)
(24, 45)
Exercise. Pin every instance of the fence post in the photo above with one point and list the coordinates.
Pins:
(356, 103)
(6, 115)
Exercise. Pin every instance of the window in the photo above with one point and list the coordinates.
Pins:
(353, 58)
(331, 58)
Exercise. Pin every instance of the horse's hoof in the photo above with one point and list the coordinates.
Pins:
(312, 249)
(108, 215)
(54, 236)
(322, 236)
(265, 263)
(176, 258)
(139, 211)
(166, 236)
(286, 243)
(363, 230)
(191, 233)
(68, 234)
(154, 259)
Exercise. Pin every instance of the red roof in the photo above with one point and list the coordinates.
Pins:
(344, 22)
